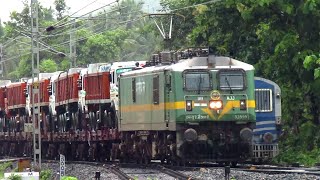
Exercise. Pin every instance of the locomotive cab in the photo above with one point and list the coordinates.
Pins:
(218, 116)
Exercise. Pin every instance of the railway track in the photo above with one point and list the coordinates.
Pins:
(174, 173)
(122, 175)
(116, 168)
(128, 171)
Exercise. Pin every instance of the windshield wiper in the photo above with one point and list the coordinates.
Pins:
(199, 87)
(228, 83)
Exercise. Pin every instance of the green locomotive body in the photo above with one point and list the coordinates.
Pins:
(201, 108)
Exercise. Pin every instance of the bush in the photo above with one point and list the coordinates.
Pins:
(15, 177)
(45, 175)
(69, 178)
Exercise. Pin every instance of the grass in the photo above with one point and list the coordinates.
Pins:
(3, 167)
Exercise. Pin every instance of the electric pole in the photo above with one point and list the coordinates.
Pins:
(1, 60)
(35, 84)
(73, 59)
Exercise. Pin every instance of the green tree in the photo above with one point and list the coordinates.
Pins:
(1, 29)
(61, 8)
(48, 65)
(103, 47)
(64, 65)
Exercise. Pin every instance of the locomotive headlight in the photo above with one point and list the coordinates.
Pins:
(215, 104)
(188, 105)
(243, 104)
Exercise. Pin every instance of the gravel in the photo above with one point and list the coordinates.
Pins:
(81, 171)
(87, 172)
(148, 174)
(218, 174)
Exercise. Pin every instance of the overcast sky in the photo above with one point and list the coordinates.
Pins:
(7, 6)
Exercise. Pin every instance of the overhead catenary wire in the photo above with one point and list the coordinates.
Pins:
(80, 27)
(195, 5)
(80, 39)
(25, 33)
(66, 23)
(74, 13)
(87, 18)
(173, 10)
(11, 41)
(56, 25)
(66, 42)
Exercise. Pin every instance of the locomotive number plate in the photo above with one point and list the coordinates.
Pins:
(241, 116)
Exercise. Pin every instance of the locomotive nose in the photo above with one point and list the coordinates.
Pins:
(190, 135)
(246, 134)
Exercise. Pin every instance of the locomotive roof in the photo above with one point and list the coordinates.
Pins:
(267, 81)
(196, 63)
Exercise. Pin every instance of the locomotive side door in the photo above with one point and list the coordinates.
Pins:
(168, 99)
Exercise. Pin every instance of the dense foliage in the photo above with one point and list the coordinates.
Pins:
(281, 39)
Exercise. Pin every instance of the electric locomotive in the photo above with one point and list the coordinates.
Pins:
(268, 125)
(198, 108)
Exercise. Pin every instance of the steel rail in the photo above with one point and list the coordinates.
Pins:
(122, 175)
(174, 173)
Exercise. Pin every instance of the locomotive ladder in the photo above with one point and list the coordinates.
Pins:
(35, 85)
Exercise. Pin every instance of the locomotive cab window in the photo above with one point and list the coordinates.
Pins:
(263, 99)
(197, 81)
(133, 90)
(231, 80)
